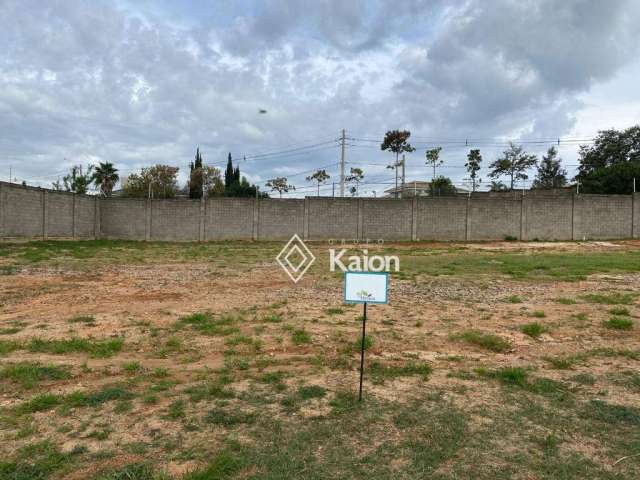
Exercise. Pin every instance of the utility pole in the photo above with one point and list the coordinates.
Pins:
(402, 188)
(333, 189)
(10, 174)
(342, 142)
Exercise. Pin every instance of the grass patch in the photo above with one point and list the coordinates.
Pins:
(566, 301)
(300, 337)
(86, 319)
(8, 346)
(308, 392)
(519, 377)
(95, 348)
(380, 372)
(533, 329)
(334, 311)
(620, 311)
(611, 413)
(29, 374)
(368, 343)
(485, 340)
(618, 323)
(229, 418)
(538, 314)
(207, 324)
(610, 299)
(514, 299)
(48, 401)
(38, 461)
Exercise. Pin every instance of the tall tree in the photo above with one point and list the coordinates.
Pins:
(196, 176)
(474, 159)
(320, 177)
(212, 184)
(442, 185)
(77, 180)
(105, 177)
(356, 175)
(229, 173)
(280, 185)
(514, 163)
(611, 163)
(397, 141)
(158, 181)
(550, 172)
(433, 159)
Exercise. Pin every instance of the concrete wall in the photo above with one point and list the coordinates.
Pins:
(387, 219)
(602, 217)
(29, 212)
(493, 218)
(547, 218)
(229, 218)
(332, 218)
(441, 218)
(123, 218)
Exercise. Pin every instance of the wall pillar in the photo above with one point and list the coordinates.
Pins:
(523, 219)
(467, 221)
(3, 202)
(44, 214)
(73, 217)
(414, 219)
(97, 226)
(305, 219)
(635, 199)
(203, 216)
(256, 219)
(573, 216)
(360, 229)
(147, 228)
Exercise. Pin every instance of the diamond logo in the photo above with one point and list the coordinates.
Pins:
(295, 258)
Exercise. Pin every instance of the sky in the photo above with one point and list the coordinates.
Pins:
(138, 82)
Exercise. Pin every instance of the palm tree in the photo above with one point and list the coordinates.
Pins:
(106, 176)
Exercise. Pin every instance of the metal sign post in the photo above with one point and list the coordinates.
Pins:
(365, 288)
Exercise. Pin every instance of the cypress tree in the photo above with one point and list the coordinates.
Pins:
(229, 173)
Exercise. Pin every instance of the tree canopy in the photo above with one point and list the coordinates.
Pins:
(514, 164)
(611, 163)
(550, 172)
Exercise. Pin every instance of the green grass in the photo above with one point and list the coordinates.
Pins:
(566, 301)
(206, 324)
(38, 461)
(308, 392)
(379, 372)
(95, 348)
(29, 374)
(485, 340)
(514, 299)
(615, 298)
(48, 401)
(87, 319)
(229, 417)
(538, 314)
(620, 311)
(618, 323)
(334, 311)
(300, 337)
(533, 329)
(368, 343)
(8, 346)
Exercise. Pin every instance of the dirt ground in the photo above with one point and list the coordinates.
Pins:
(536, 365)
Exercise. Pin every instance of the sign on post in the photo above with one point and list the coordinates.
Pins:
(365, 288)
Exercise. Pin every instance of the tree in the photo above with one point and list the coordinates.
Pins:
(550, 172)
(229, 175)
(280, 185)
(158, 181)
(474, 159)
(196, 179)
(320, 176)
(396, 141)
(433, 159)
(212, 184)
(611, 163)
(356, 175)
(498, 187)
(76, 180)
(442, 185)
(514, 163)
(105, 177)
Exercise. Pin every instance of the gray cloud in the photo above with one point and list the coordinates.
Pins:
(84, 80)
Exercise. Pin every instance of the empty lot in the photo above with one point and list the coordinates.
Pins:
(204, 361)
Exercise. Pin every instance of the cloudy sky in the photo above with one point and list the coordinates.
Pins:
(137, 82)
